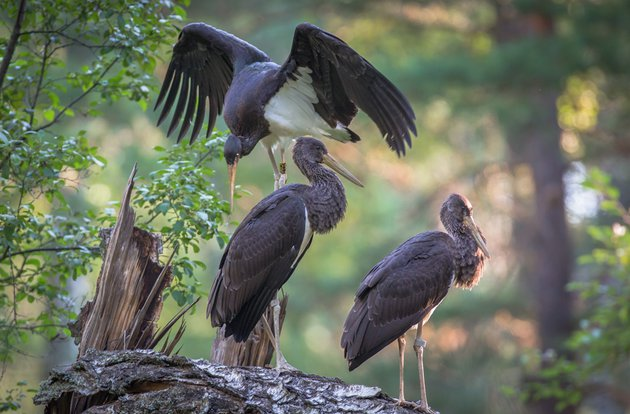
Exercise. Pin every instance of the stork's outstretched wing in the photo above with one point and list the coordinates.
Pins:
(342, 79)
(201, 71)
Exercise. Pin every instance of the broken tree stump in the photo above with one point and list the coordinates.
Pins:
(127, 302)
(148, 381)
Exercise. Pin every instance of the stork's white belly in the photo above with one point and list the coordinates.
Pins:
(291, 113)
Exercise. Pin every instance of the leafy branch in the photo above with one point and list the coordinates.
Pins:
(600, 347)
(47, 249)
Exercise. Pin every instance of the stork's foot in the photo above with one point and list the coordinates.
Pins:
(415, 405)
(281, 362)
(283, 365)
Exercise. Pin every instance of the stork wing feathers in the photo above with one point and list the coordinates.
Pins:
(258, 260)
(200, 71)
(342, 79)
(397, 293)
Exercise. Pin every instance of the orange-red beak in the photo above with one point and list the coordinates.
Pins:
(232, 179)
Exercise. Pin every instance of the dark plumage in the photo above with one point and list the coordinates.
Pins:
(315, 92)
(404, 288)
(271, 240)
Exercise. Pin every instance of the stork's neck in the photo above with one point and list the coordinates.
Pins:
(469, 261)
(245, 54)
(326, 199)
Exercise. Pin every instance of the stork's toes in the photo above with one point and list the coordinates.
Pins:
(283, 365)
(416, 405)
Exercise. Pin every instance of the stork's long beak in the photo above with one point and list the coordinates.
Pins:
(476, 233)
(232, 178)
(340, 169)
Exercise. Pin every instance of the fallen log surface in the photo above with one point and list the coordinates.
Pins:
(140, 381)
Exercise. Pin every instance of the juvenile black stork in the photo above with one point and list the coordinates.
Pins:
(315, 92)
(271, 240)
(404, 288)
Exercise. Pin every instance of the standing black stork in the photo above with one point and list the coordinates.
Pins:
(315, 92)
(404, 288)
(271, 240)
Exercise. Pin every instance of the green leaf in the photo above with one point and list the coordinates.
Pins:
(49, 114)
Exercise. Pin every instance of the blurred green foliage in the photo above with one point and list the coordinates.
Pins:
(179, 201)
(600, 347)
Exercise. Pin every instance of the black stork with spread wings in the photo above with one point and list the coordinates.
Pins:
(315, 92)
(269, 243)
(404, 288)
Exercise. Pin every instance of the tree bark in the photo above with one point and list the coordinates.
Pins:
(147, 381)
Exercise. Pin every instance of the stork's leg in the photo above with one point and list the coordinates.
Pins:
(276, 173)
(281, 362)
(418, 345)
(402, 342)
(283, 169)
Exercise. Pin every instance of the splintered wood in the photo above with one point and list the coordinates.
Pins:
(128, 300)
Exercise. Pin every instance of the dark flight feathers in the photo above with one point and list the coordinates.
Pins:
(342, 79)
(201, 71)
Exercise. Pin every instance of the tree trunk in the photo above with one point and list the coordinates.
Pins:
(541, 227)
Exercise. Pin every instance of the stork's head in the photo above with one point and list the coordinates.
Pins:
(456, 215)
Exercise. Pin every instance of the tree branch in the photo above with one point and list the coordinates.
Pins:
(74, 40)
(4, 67)
(48, 249)
(78, 98)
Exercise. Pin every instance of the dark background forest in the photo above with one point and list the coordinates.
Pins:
(521, 105)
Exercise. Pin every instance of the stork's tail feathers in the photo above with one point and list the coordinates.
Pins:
(342, 134)
(353, 136)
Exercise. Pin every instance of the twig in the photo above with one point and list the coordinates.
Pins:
(33, 327)
(49, 249)
(203, 157)
(42, 71)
